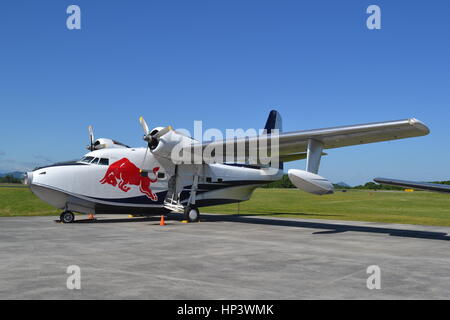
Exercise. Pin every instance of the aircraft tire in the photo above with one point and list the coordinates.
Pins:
(191, 214)
(67, 217)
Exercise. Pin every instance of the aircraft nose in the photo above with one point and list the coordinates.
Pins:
(28, 178)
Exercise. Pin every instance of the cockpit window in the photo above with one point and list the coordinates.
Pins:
(103, 162)
(93, 160)
(86, 159)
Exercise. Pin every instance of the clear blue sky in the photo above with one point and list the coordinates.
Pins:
(226, 62)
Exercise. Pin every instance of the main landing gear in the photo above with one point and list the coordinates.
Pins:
(172, 201)
(191, 213)
(67, 217)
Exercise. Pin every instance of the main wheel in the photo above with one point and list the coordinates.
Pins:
(67, 217)
(191, 214)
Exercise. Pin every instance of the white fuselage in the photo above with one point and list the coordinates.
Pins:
(112, 182)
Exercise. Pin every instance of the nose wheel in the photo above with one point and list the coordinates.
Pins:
(67, 217)
(191, 213)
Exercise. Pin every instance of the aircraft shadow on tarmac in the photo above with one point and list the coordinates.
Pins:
(331, 228)
(325, 228)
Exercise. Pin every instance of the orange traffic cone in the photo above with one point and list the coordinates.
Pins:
(162, 222)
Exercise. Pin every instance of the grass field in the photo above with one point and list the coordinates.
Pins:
(394, 207)
(19, 201)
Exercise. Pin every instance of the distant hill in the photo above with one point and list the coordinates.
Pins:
(342, 185)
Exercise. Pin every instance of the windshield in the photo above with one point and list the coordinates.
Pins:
(92, 160)
(86, 159)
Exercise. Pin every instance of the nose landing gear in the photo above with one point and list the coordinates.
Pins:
(67, 217)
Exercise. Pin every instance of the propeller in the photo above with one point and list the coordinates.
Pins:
(151, 138)
(91, 139)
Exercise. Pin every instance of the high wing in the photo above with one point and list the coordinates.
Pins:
(337, 137)
(436, 187)
(294, 145)
(271, 148)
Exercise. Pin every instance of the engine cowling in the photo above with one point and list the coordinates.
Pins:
(165, 144)
(103, 143)
(310, 182)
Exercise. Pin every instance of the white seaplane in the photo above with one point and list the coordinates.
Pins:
(114, 178)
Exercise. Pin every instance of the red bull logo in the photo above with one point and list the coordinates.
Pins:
(124, 172)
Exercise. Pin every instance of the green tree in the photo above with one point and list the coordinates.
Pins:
(9, 179)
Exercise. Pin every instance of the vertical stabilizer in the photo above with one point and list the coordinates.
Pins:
(274, 122)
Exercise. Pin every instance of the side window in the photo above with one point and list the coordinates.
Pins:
(161, 175)
(95, 161)
(103, 162)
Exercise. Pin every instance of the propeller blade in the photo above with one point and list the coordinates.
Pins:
(144, 125)
(91, 138)
(162, 132)
(143, 161)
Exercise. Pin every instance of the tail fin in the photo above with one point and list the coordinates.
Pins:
(274, 122)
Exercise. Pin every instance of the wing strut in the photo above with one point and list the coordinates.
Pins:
(193, 190)
(314, 154)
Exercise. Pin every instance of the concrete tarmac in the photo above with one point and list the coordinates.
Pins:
(222, 257)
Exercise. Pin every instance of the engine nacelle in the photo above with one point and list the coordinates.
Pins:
(310, 182)
(164, 145)
(103, 143)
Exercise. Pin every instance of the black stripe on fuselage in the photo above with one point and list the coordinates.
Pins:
(202, 188)
(65, 164)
